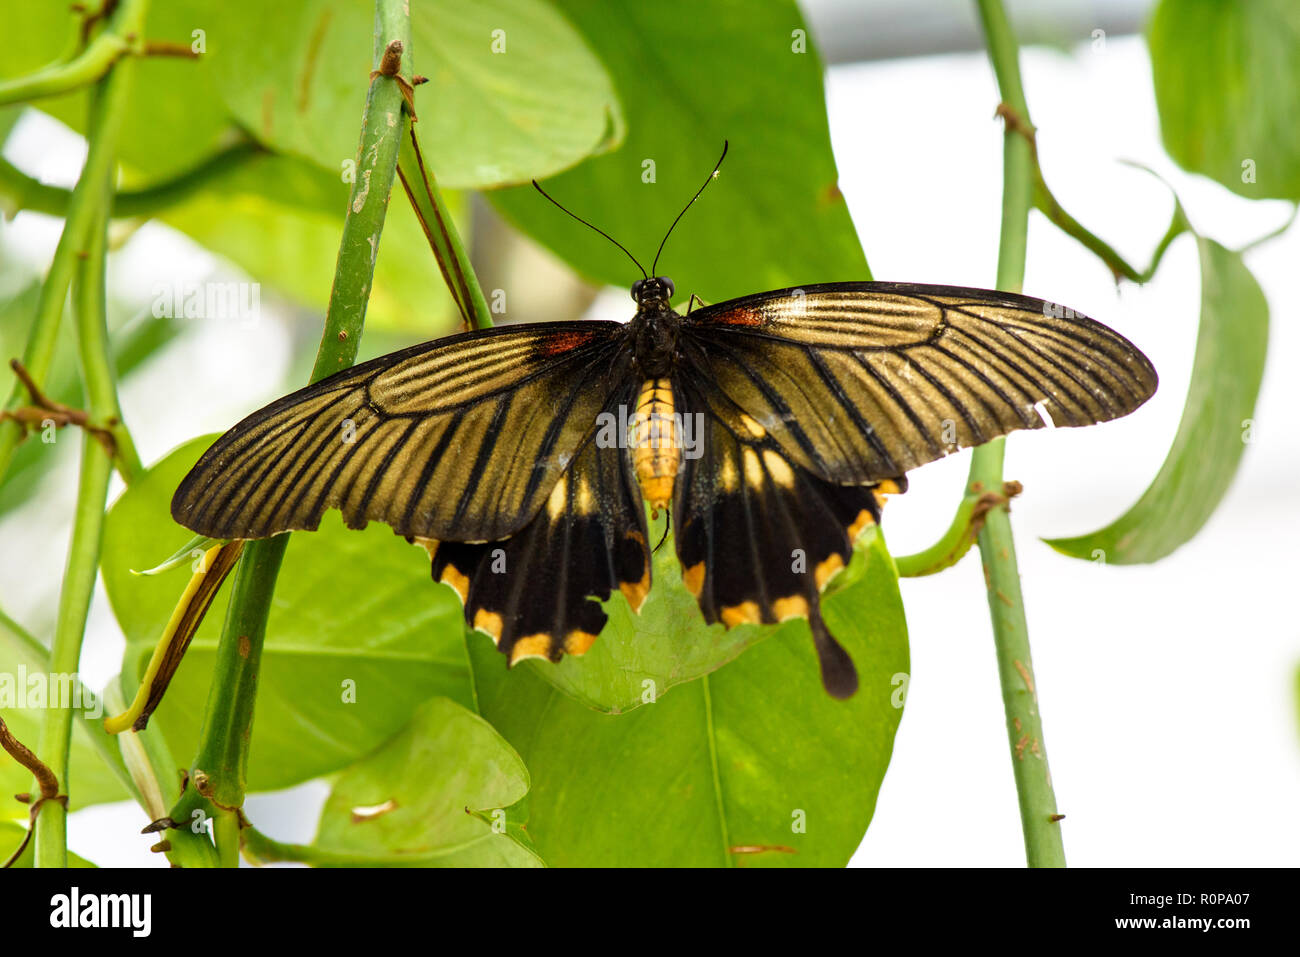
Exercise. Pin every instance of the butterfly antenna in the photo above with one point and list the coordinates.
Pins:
(539, 189)
(712, 177)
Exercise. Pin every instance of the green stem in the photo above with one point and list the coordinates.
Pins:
(19, 192)
(70, 626)
(97, 370)
(1038, 817)
(123, 36)
(219, 769)
(949, 549)
(225, 830)
(217, 777)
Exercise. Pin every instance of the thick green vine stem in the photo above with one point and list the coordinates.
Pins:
(1039, 819)
(217, 778)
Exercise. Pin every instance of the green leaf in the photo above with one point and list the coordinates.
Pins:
(1217, 423)
(753, 765)
(91, 781)
(353, 610)
(446, 776)
(513, 93)
(640, 656)
(11, 835)
(691, 76)
(1227, 83)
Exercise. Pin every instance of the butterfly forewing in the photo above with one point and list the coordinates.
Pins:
(460, 438)
(865, 381)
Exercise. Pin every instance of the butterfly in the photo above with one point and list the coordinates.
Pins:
(770, 428)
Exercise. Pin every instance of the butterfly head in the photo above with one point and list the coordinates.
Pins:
(653, 292)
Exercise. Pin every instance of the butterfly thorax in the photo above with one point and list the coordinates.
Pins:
(654, 328)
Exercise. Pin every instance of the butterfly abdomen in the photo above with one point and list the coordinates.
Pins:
(655, 444)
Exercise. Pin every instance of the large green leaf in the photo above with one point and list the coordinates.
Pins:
(691, 76)
(1227, 82)
(1231, 346)
(513, 93)
(353, 610)
(415, 792)
(640, 656)
(753, 765)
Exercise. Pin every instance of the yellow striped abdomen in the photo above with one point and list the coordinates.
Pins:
(655, 444)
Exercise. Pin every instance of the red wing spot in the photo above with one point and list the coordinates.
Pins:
(741, 317)
(559, 343)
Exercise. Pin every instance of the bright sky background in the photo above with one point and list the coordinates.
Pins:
(1168, 691)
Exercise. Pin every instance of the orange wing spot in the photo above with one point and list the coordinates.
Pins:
(452, 577)
(824, 570)
(864, 519)
(693, 579)
(430, 545)
(577, 642)
(532, 646)
(635, 592)
(489, 622)
(559, 343)
(744, 613)
(883, 490)
(796, 606)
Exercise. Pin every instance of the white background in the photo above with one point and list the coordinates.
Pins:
(1168, 690)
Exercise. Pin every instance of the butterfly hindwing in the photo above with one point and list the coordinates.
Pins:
(459, 438)
(758, 535)
(865, 381)
(534, 592)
